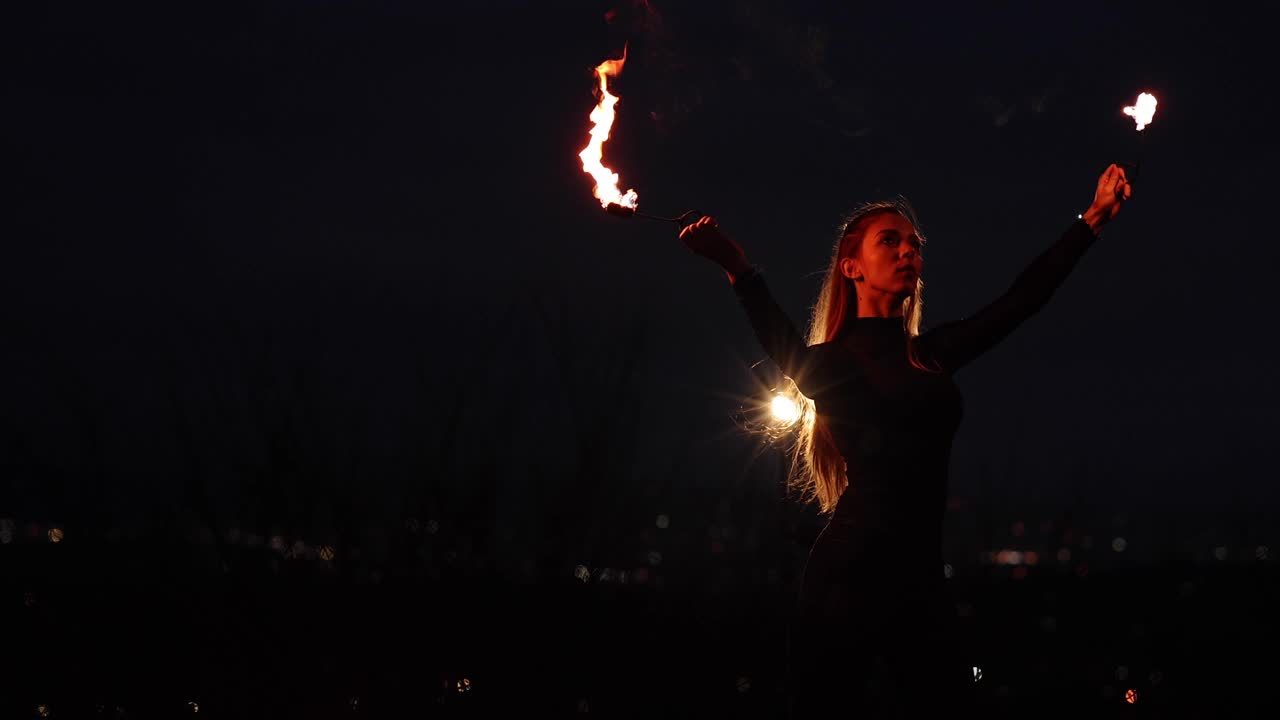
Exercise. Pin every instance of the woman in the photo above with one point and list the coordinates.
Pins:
(882, 409)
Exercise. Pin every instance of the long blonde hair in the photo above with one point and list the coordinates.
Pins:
(818, 470)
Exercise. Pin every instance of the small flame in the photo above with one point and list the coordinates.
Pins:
(1143, 110)
(606, 189)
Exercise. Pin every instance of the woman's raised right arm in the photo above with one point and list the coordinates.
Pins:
(775, 331)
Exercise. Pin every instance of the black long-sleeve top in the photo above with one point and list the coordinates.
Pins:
(893, 422)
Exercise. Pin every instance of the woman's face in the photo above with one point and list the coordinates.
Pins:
(888, 259)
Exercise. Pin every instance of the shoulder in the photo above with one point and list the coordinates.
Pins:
(931, 346)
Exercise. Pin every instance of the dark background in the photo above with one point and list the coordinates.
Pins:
(336, 389)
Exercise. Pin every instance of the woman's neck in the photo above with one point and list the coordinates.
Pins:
(880, 306)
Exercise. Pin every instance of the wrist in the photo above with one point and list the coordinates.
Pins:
(1094, 218)
(739, 270)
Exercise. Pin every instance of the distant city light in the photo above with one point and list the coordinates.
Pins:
(1009, 557)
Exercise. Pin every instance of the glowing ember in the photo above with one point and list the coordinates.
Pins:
(1143, 110)
(606, 188)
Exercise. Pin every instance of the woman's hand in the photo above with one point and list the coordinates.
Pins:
(704, 238)
(1113, 190)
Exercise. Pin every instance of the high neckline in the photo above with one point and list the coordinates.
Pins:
(873, 326)
(877, 321)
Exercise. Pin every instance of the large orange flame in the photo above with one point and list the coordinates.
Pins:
(1143, 110)
(606, 188)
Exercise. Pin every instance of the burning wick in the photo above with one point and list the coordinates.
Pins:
(606, 190)
(1142, 111)
(606, 187)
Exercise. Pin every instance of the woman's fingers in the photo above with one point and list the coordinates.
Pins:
(695, 234)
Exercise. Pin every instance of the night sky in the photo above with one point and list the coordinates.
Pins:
(267, 263)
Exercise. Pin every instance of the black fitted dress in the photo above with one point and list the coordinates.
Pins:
(874, 632)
